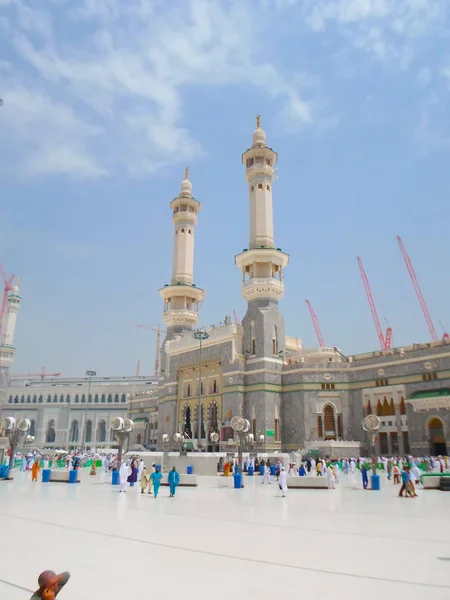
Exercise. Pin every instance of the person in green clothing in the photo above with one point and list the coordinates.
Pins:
(156, 480)
(50, 584)
(173, 479)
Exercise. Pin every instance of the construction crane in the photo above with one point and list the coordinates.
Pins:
(7, 281)
(445, 335)
(418, 291)
(315, 321)
(158, 342)
(385, 341)
(42, 375)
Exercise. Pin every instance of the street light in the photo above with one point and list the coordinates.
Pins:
(200, 335)
(89, 374)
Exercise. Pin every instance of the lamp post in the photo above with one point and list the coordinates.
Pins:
(200, 335)
(90, 374)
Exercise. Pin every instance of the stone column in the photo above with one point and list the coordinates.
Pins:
(398, 423)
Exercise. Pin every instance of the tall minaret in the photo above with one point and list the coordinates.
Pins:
(262, 264)
(182, 296)
(7, 350)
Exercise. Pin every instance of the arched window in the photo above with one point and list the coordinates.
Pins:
(124, 398)
(101, 432)
(402, 407)
(369, 408)
(89, 431)
(10, 400)
(379, 409)
(16, 399)
(55, 398)
(41, 399)
(68, 398)
(103, 398)
(61, 400)
(275, 341)
(77, 399)
(96, 398)
(319, 427)
(83, 398)
(116, 398)
(203, 422)
(329, 422)
(33, 427)
(74, 431)
(50, 436)
(214, 416)
(139, 439)
(187, 422)
(109, 397)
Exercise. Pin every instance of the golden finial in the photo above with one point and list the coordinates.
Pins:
(186, 173)
(258, 121)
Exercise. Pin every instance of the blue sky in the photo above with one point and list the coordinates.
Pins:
(105, 102)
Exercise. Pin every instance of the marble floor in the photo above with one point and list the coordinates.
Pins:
(217, 542)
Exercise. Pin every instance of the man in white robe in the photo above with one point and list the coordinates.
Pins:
(352, 465)
(140, 469)
(330, 478)
(123, 476)
(266, 478)
(282, 482)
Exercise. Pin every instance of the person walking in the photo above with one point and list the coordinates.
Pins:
(123, 476)
(266, 478)
(35, 469)
(144, 479)
(174, 480)
(365, 479)
(282, 482)
(156, 480)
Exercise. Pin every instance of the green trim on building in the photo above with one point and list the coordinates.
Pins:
(430, 393)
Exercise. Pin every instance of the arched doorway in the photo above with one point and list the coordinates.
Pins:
(50, 437)
(436, 437)
(74, 431)
(33, 427)
(88, 437)
(187, 422)
(139, 438)
(101, 431)
(329, 422)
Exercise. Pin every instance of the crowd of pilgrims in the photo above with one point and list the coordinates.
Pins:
(405, 471)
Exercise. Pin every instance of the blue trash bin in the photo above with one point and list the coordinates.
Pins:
(4, 470)
(261, 469)
(237, 481)
(375, 480)
(250, 470)
(189, 470)
(236, 468)
(46, 475)
(273, 470)
(73, 475)
(115, 478)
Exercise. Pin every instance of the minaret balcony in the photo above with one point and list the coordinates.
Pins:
(262, 255)
(262, 287)
(180, 317)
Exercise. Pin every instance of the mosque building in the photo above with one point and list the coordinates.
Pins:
(294, 398)
(312, 400)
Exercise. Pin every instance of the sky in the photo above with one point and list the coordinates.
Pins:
(106, 102)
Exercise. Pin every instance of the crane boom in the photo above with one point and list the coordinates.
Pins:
(373, 309)
(417, 289)
(158, 342)
(315, 321)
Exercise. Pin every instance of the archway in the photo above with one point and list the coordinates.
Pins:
(187, 428)
(74, 432)
(88, 431)
(139, 438)
(213, 418)
(50, 437)
(33, 427)
(101, 431)
(436, 436)
(329, 422)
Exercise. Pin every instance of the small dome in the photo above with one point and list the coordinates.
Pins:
(259, 135)
(186, 188)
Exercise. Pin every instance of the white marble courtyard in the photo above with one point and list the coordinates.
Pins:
(217, 542)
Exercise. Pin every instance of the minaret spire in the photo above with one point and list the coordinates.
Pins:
(181, 296)
(7, 349)
(262, 263)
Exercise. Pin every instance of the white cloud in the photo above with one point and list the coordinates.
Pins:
(117, 82)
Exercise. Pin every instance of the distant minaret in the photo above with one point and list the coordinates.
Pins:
(262, 264)
(182, 296)
(7, 350)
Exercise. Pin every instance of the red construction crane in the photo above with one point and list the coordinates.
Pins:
(7, 281)
(158, 342)
(42, 374)
(418, 291)
(315, 321)
(385, 341)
